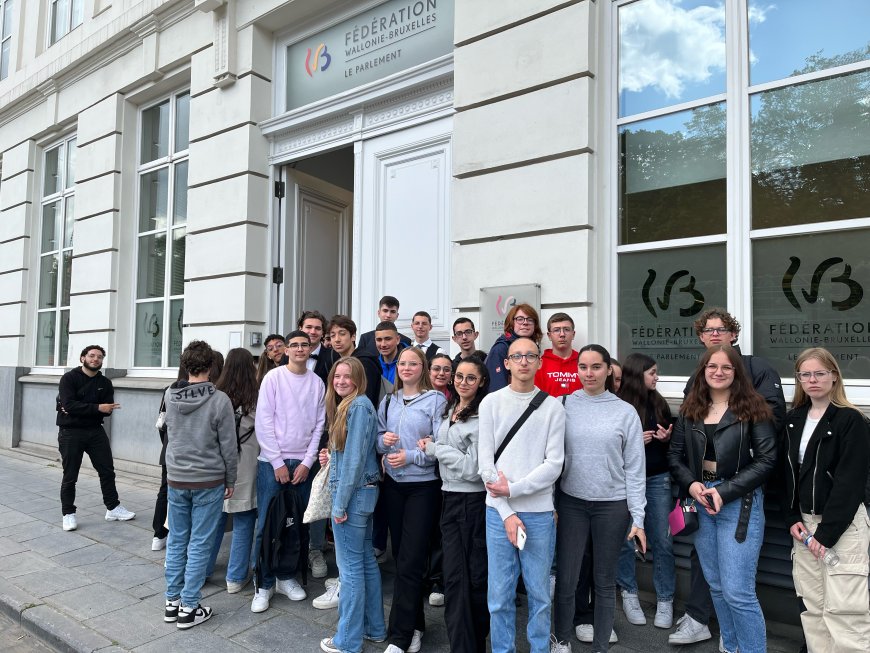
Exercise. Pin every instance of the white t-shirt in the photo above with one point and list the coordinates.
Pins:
(809, 427)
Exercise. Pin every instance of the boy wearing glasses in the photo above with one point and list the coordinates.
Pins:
(289, 422)
(558, 374)
(464, 335)
(716, 326)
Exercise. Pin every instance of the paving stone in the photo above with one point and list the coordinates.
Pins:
(60, 631)
(276, 635)
(51, 581)
(63, 542)
(123, 574)
(13, 518)
(90, 601)
(195, 639)
(9, 547)
(23, 563)
(132, 626)
(92, 554)
(31, 529)
(14, 600)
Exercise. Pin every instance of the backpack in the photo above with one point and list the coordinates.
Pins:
(241, 438)
(284, 546)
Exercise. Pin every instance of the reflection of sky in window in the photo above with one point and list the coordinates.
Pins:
(670, 51)
(784, 33)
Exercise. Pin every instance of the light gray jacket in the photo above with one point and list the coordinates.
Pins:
(455, 447)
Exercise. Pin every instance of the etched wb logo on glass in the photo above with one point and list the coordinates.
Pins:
(689, 298)
(849, 292)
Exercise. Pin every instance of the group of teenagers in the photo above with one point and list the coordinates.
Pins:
(517, 470)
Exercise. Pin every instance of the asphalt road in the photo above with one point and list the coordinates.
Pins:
(14, 639)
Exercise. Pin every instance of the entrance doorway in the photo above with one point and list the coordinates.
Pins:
(318, 228)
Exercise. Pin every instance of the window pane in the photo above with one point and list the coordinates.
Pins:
(155, 132)
(660, 294)
(182, 122)
(78, 12)
(811, 152)
(672, 176)
(67, 277)
(45, 338)
(151, 280)
(148, 347)
(153, 198)
(7, 18)
(64, 338)
(69, 221)
(670, 51)
(179, 199)
(49, 227)
(176, 319)
(792, 38)
(4, 58)
(53, 182)
(71, 151)
(178, 254)
(48, 281)
(812, 292)
(59, 19)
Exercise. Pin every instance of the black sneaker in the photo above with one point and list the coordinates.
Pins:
(170, 614)
(190, 617)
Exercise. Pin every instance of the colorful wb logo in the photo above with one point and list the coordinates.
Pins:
(311, 63)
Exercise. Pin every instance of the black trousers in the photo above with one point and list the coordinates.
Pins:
(699, 604)
(463, 540)
(584, 596)
(161, 506)
(412, 511)
(435, 572)
(73, 445)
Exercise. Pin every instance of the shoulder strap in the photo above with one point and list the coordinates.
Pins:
(387, 407)
(534, 404)
(564, 398)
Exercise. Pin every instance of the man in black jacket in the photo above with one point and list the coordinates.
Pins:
(716, 326)
(388, 311)
(84, 398)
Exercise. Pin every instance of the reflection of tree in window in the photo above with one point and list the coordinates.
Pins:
(811, 148)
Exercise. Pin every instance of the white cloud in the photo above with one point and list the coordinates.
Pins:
(758, 14)
(665, 46)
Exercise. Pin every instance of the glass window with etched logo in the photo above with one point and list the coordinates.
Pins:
(811, 152)
(660, 294)
(812, 291)
(672, 176)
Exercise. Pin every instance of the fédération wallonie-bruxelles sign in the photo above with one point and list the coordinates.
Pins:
(390, 38)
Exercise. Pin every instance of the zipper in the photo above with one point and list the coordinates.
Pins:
(740, 449)
(791, 466)
(815, 471)
(703, 451)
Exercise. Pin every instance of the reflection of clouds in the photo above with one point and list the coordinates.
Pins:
(757, 15)
(666, 46)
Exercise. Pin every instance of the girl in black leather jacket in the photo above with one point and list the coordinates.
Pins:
(722, 451)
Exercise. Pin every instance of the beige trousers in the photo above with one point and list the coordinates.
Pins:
(837, 616)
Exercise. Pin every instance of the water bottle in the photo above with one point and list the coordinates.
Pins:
(398, 472)
(830, 558)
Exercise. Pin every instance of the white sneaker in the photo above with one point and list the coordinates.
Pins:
(328, 646)
(190, 617)
(158, 543)
(416, 642)
(392, 648)
(119, 513)
(234, 587)
(689, 631)
(317, 564)
(69, 522)
(329, 582)
(664, 614)
(291, 589)
(559, 647)
(632, 609)
(586, 633)
(436, 599)
(261, 599)
(329, 599)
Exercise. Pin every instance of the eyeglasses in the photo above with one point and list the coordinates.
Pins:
(717, 330)
(561, 330)
(408, 364)
(519, 319)
(725, 369)
(466, 334)
(277, 347)
(531, 358)
(299, 345)
(470, 379)
(441, 368)
(821, 375)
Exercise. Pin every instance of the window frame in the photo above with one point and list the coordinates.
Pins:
(739, 236)
(169, 162)
(3, 27)
(68, 19)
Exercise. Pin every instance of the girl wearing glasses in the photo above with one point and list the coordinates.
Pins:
(823, 467)
(520, 322)
(411, 491)
(440, 371)
(722, 451)
(463, 516)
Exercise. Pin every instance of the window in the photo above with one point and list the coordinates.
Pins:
(162, 219)
(66, 15)
(5, 36)
(743, 167)
(55, 253)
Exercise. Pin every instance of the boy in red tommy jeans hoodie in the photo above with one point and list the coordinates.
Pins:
(558, 374)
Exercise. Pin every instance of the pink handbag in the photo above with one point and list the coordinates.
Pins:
(683, 519)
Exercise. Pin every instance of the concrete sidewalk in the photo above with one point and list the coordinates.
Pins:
(100, 588)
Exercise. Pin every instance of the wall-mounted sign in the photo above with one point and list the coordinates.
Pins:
(661, 294)
(496, 302)
(391, 37)
(812, 291)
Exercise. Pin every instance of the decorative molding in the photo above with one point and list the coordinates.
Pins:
(437, 95)
(208, 5)
(147, 26)
(225, 36)
(323, 131)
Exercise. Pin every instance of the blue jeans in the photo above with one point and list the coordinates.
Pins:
(267, 488)
(241, 549)
(360, 602)
(193, 519)
(659, 504)
(505, 563)
(730, 567)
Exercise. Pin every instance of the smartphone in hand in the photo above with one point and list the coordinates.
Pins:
(521, 538)
(638, 549)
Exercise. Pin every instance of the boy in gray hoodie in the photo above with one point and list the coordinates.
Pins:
(201, 461)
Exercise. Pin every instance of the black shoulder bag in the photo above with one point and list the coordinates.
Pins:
(534, 404)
